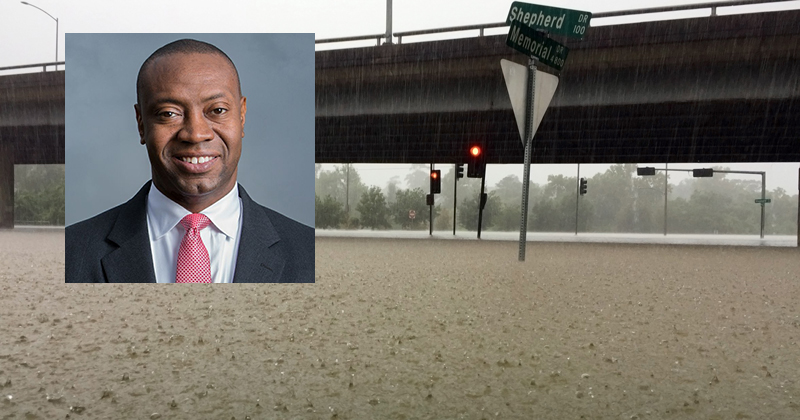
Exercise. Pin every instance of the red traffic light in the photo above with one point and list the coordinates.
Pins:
(436, 181)
(475, 151)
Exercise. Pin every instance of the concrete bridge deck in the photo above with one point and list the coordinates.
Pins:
(31, 128)
(717, 89)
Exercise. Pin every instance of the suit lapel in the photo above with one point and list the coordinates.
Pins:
(257, 261)
(132, 262)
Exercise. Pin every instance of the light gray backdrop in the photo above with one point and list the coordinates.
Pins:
(106, 165)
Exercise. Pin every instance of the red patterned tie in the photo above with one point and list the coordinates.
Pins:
(194, 265)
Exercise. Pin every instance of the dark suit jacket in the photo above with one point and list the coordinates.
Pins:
(114, 246)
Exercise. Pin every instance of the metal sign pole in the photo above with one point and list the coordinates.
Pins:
(523, 226)
(577, 196)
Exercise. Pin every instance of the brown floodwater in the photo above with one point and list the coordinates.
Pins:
(404, 329)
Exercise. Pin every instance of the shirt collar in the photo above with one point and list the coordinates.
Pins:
(164, 214)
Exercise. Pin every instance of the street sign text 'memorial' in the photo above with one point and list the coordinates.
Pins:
(532, 43)
(557, 21)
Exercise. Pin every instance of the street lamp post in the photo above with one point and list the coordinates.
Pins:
(51, 17)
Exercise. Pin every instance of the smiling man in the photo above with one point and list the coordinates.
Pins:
(192, 223)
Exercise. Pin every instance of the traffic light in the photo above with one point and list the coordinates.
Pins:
(436, 181)
(459, 170)
(646, 171)
(703, 173)
(477, 165)
(583, 186)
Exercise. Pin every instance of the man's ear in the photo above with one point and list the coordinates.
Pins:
(244, 112)
(139, 123)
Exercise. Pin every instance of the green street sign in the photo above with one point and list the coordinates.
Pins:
(531, 42)
(551, 19)
(763, 200)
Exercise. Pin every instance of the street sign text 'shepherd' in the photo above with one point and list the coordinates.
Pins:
(530, 42)
(551, 19)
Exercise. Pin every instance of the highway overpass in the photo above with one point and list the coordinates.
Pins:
(714, 89)
(31, 128)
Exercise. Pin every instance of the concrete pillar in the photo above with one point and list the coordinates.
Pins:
(6, 187)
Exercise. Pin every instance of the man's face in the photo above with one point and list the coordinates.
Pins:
(191, 118)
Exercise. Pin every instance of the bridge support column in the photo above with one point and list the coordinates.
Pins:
(6, 187)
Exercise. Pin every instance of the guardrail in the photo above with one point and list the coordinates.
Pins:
(28, 66)
(482, 27)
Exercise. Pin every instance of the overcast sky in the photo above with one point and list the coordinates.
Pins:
(28, 35)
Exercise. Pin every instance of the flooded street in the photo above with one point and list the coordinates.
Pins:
(422, 329)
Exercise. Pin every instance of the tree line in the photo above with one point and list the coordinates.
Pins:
(39, 194)
(618, 201)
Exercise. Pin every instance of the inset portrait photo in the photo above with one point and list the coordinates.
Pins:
(185, 156)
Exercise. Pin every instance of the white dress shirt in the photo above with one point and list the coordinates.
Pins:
(221, 237)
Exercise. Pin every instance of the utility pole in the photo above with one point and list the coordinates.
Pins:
(347, 191)
(388, 22)
(666, 183)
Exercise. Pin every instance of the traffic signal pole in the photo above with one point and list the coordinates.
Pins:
(455, 196)
(480, 203)
(526, 176)
(430, 215)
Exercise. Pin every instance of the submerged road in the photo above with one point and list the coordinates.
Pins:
(621, 238)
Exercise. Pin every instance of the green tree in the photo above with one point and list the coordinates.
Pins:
(508, 218)
(468, 212)
(467, 187)
(411, 200)
(328, 213)
(716, 205)
(554, 211)
(781, 213)
(343, 184)
(444, 219)
(419, 177)
(509, 190)
(391, 189)
(39, 194)
(373, 210)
